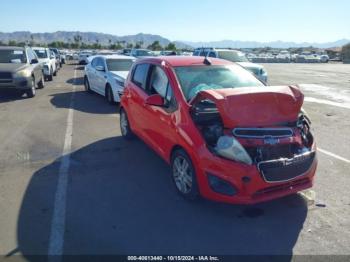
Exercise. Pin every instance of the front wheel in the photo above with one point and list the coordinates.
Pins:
(184, 175)
(125, 126)
(87, 85)
(32, 91)
(109, 95)
(41, 83)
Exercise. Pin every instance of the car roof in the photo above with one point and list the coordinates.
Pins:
(184, 60)
(113, 56)
(12, 48)
(39, 48)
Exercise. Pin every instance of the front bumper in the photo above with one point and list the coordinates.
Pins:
(20, 83)
(249, 183)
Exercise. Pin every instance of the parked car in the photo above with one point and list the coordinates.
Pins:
(20, 70)
(48, 60)
(106, 75)
(324, 58)
(234, 56)
(58, 57)
(225, 137)
(283, 57)
(140, 53)
(83, 58)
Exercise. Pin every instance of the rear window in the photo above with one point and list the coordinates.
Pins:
(140, 75)
(119, 64)
(12, 56)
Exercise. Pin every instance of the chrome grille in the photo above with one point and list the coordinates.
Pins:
(261, 133)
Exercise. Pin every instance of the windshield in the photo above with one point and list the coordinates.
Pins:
(12, 56)
(119, 64)
(233, 56)
(194, 79)
(41, 53)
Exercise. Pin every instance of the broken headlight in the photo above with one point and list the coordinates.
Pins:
(228, 147)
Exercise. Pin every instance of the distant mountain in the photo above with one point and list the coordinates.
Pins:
(274, 44)
(87, 38)
(147, 39)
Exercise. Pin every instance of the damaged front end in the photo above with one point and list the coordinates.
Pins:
(261, 127)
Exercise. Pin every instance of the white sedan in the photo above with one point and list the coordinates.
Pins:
(106, 75)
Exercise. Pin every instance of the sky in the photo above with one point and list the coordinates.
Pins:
(185, 20)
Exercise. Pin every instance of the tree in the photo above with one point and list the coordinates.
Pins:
(12, 43)
(155, 46)
(171, 46)
(78, 39)
(129, 45)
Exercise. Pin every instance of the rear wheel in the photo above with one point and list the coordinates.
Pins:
(184, 175)
(32, 91)
(55, 73)
(125, 126)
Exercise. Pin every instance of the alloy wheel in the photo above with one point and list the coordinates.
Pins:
(182, 173)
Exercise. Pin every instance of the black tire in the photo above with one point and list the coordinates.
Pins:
(109, 95)
(41, 83)
(55, 73)
(87, 85)
(49, 77)
(32, 91)
(189, 189)
(125, 126)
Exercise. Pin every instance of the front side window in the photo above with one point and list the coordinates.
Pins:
(12, 56)
(194, 79)
(159, 84)
(119, 64)
(140, 75)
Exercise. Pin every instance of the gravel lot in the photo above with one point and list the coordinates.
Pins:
(120, 198)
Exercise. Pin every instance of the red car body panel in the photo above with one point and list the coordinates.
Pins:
(264, 107)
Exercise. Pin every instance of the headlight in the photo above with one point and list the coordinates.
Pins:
(119, 82)
(23, 73)
(228, 147)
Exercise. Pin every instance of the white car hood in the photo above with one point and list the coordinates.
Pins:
(121, 74)
(44, 60)
(249, 65)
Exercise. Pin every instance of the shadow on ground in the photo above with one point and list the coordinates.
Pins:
(121, 200)
(11, 95)
(84, 102)
(76, 81)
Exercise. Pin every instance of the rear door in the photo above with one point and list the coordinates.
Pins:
(100, 76)
(91, 74)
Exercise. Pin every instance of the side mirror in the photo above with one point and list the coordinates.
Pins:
(155, 100)
(34, 61)
(100, 68)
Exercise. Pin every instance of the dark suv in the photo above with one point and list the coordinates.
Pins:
(20, 70)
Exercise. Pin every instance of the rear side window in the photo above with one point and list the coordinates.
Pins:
(140, 75)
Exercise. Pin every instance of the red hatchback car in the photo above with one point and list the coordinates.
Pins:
(226, 135)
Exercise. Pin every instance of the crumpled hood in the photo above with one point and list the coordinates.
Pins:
(255, 106)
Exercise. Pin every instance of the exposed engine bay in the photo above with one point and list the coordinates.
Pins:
(251, 145)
